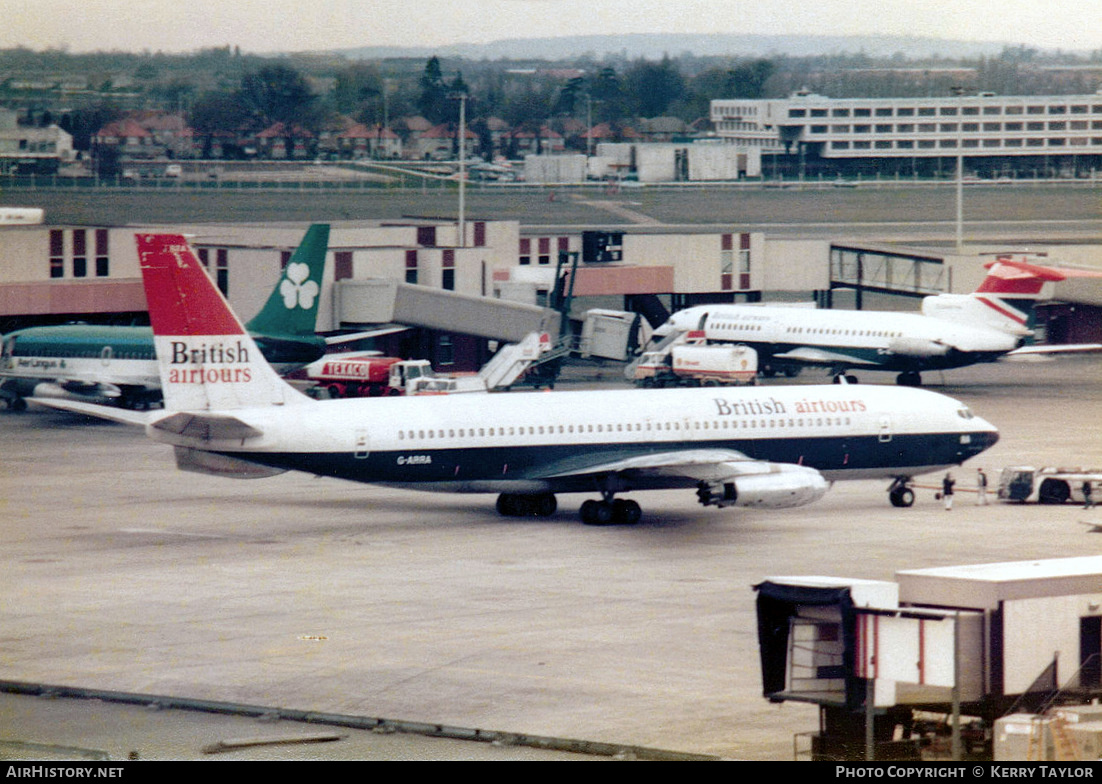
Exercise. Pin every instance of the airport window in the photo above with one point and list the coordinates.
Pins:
(1035, 126)
(926, 111)
(525, 251)
(1096, 125)
(1056, 142)
(222, 271)
(992, 142)
(1035, 142)
(840, 129)
(947, 143)
(818, 112)
(411, 266)
(972, 110)
(57, 254)
(862, 146)
(948, 127)
(1013, 142)
(906, 144)
(905, 128)
(992, 126)
(1013, 110)
(797, 113)
(926, 144)
(1057, 126)
(862, 112)
(1035, 110)
(884, 128)
(862, 129)
(818, 129)
(1057, 110)
(1012, 126)
(948, 111)
(840, 113)
(927, 127)
(1078, 125)
(447, 279)
(970, 127)
(103, 266)
(80, 253)
(545, 250)
(1079, 108)
(839, 145)
(885, 111)
(905, 112)
(989, 110)
(883, 145)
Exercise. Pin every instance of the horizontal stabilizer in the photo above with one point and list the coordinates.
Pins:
(214, 464)
(207, 427)
(110, 413)
(1057, 348)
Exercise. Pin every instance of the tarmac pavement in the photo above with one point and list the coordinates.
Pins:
(120, 573)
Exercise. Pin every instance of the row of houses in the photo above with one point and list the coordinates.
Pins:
(145, 136)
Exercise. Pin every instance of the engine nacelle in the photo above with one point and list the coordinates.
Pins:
(917, 347)
(781, 488)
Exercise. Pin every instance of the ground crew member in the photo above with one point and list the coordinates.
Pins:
(981, 487)
(1088, 499)
(947, 491)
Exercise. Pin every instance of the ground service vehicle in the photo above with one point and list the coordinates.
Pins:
(698, 365)
(1026, 484)
(384, 376)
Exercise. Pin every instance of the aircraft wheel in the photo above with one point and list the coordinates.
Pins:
(909, 379)
(626, 512)
(596, 512)
(902, 498)
(1053, 491)
(506, 506)
(17, 404)
(544, 505)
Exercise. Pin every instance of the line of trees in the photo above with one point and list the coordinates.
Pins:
(223, 90)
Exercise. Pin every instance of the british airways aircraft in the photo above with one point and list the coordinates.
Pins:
(228, 413)
(952, 331)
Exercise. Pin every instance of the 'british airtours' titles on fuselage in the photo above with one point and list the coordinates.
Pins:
(773, 406)
(213, 363)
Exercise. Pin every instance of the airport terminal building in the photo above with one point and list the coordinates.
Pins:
(997, 136)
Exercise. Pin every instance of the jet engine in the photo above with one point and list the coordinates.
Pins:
(788, 487)
(917, 347)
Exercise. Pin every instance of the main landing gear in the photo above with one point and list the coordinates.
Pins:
(900, 493)
(611, 511)
(607, 511)
(516, 505)
(911, 378)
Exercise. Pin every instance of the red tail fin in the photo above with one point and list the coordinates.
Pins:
(1012, 277)
(207, 359)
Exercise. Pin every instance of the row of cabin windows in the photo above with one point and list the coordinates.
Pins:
(864, 333)
(718, 424)
(83, 352)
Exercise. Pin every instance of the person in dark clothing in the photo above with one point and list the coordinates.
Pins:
(947, 491)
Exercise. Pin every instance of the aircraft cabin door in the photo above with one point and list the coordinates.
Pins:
(362, 446)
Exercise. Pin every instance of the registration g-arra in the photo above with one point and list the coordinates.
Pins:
(760, 447)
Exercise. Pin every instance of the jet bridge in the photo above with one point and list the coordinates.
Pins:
(359, 303)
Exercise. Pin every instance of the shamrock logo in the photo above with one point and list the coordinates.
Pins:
(297, 289)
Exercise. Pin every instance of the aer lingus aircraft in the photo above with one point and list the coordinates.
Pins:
(118, 364)
(953, 330)
(227, 413)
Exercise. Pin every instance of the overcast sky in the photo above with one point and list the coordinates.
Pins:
(263, 26)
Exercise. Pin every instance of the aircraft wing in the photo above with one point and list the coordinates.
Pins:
(727, 476)
(333, 340)
(816, 356)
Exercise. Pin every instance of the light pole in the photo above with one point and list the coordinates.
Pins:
(959, 92)
(462, 222)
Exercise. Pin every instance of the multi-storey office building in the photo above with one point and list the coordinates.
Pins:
(1037, 136)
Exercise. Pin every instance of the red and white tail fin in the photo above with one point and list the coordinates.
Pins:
(207, 360)
(1003, 301)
